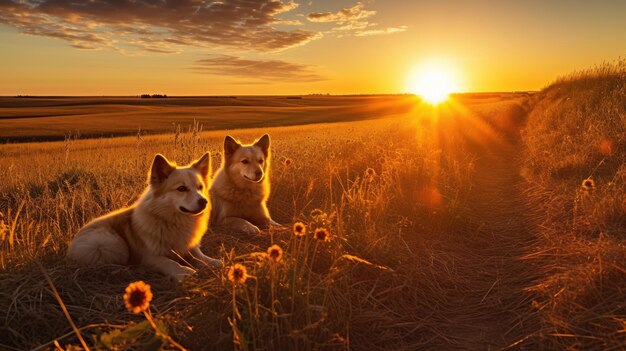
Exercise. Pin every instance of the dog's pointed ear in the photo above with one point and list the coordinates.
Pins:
(161, 169)
(230, 145)
(203, 165)
(264, 144)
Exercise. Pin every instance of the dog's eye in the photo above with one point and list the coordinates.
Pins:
(261, 161)
(182, 189)
(245, 162)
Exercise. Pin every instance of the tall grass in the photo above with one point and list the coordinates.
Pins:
(372, 185)
(577, 131)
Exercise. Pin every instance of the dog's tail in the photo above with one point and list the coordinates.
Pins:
(98, 246)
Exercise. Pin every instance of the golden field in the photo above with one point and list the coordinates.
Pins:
(463, 226)
(52, 118)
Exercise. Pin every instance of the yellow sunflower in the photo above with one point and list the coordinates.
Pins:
(588, 184)
(137, 296)
(275, 253)
(299, 229)
(237, 274)
(322, 234)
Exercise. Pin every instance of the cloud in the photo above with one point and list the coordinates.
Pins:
(352, 14)
(353, 19)
(158, 26)
(267, 70)
(388, 30)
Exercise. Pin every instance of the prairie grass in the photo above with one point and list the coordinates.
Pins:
(575, 166)
(368, 184)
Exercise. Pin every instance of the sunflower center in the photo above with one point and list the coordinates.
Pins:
(320, 235)
(137, 298)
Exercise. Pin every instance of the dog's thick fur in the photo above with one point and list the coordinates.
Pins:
(165, 224)
(241, 187)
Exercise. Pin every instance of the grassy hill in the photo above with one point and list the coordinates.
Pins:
(575, 167)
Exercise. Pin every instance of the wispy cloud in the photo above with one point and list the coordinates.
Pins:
(354, 19)
(262, 70)
(388, 30)
(158, 26)
(354, 15)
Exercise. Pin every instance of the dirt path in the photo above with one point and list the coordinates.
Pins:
(490, 308)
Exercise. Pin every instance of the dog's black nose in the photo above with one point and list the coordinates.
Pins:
(258, 173)
(202, 203)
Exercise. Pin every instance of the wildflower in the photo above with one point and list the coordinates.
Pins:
(275, 253)
(288, 162)
(322, 234)
(588, 185)
(317, 213)
(137, 297)
(299, 229)
(237, 274)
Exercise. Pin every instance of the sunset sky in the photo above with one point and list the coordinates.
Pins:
(193, 47)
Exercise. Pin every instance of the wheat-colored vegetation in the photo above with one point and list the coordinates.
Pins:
(575, 165)
(370, 182)
(441, 229)
(52, 118)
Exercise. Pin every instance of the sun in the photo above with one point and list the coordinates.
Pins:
(433, 82)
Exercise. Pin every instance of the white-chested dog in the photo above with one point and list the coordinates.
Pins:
(165, 224)
(241, 187)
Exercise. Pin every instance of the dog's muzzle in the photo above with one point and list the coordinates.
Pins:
(259, 177)
(201, 207)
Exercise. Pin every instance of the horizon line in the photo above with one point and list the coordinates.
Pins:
(166, 96)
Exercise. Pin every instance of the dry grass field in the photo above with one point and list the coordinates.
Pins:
(575, 167)
(466, 226)
(53, 118)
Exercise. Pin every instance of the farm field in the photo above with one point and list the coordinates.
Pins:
(468, 225)
(55, 118)
(25, 118)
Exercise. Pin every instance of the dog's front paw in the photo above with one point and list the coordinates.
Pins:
(182, 272)
(212, 262)
(250, 229)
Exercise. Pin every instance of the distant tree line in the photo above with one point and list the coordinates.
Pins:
(153, 96)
